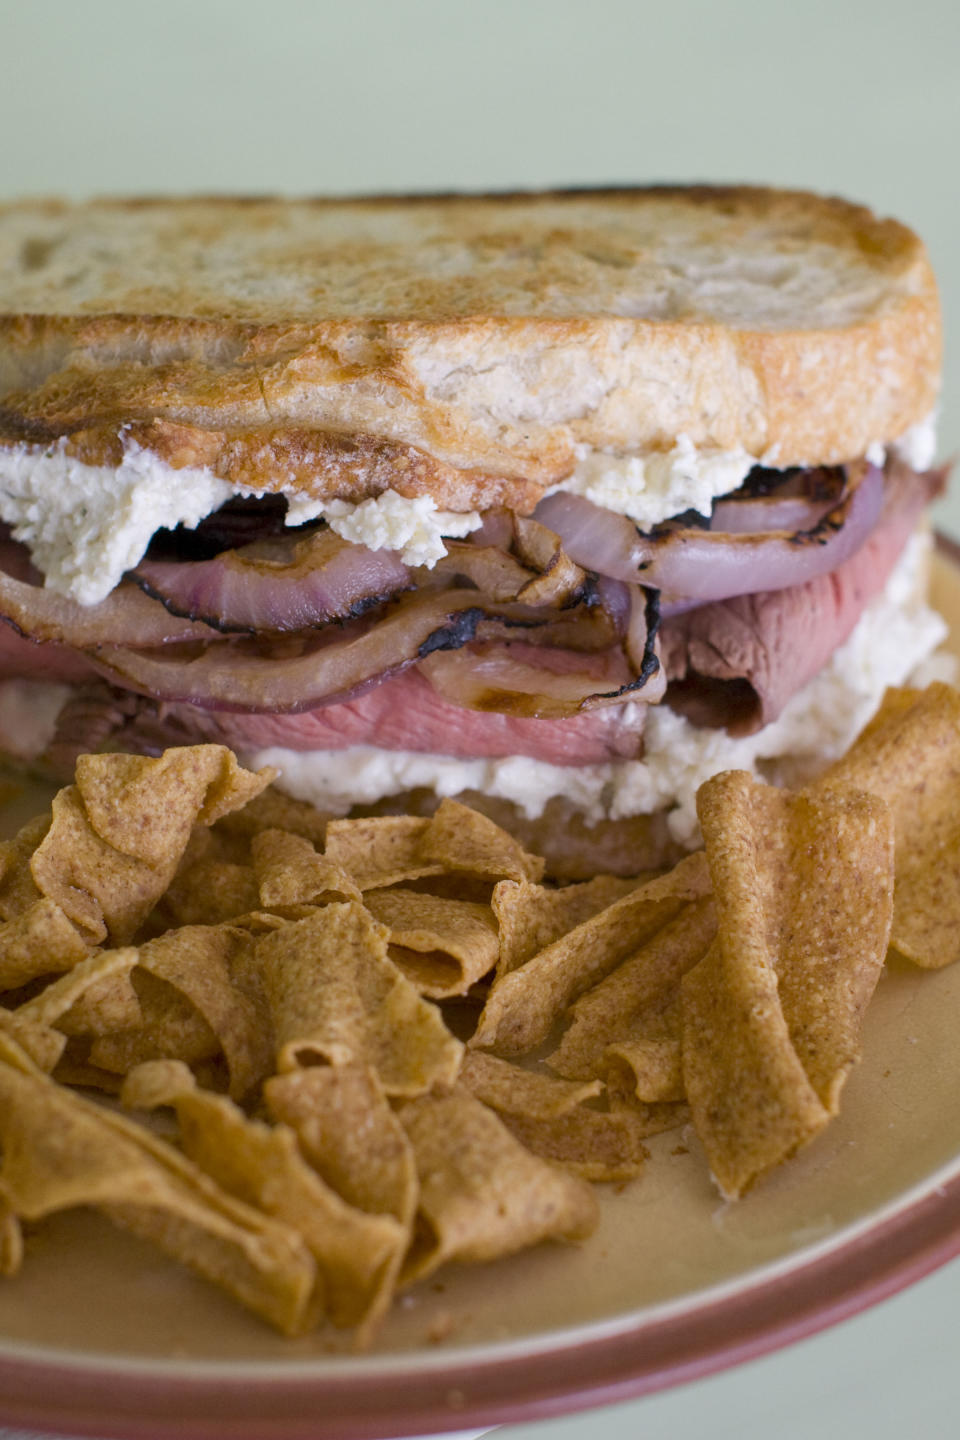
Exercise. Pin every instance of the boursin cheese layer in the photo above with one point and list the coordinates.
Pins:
(85, 525)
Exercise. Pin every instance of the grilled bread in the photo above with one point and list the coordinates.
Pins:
(461, 347)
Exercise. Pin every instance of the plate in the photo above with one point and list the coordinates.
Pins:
(100, 1335)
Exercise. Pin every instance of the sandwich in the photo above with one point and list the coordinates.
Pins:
(558, 503)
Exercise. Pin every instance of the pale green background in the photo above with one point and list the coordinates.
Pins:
(231, 95)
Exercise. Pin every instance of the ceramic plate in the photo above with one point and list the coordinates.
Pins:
(100, 1335)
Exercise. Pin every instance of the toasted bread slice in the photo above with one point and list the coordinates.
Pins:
(462, 346)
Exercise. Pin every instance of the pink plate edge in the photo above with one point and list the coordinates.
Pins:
(133, 1402)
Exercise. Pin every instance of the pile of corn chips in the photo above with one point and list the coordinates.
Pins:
(388, 1043)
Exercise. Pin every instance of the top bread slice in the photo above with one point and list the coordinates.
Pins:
(462, 345)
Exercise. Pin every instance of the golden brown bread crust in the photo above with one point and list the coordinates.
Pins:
(463, 337)
(318, 463)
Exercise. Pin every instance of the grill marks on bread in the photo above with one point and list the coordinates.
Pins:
(450, 339)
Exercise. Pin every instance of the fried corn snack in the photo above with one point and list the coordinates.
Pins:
(290, 872)
(531, 917)
(335, 996)
(147, 807)
(60, 1151)
(18, 889)
(442, 946)
(647, 1063)
(116, 837)
(525, 1004)
(511, 1090)
(597, 1145)
(909, 755)
(381, 851)
(210, 885)
(803, 888)
(271, 809)
(204, 964)
(38, 941)
(265, 922)
(549, 1117)
(357, 1253)
(482, 1194)
(41, 1043)
(235, 947)
(464, 840)
(351, 1136)
(95, 998)
(172, 1028)
(637, 1006)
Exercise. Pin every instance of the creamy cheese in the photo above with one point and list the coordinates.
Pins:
(651, 488)
(85, 525)
(917, 446)
(392, 522)
(895, 633)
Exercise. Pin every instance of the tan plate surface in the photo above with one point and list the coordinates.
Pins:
(96, 1316)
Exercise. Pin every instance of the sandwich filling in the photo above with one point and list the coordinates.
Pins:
(369, 648)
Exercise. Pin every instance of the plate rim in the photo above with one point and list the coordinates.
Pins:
(137, 1400)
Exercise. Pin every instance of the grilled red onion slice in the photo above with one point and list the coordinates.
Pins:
(643, 623)
(703, 566)
(517, 678)
(698, 566)
(765, 503)
(595, 538)
(616, 597)
(610, 543)
(277, 585)
(495, 529)
(125, 617)
(491, 569)
(243, 675)
(764, 514)
(538, 573)
(558, 580)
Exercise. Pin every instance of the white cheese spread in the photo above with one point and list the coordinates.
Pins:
(917, 447)
(392, 522)
(893, 635)
(651, 488)
(87, 524)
